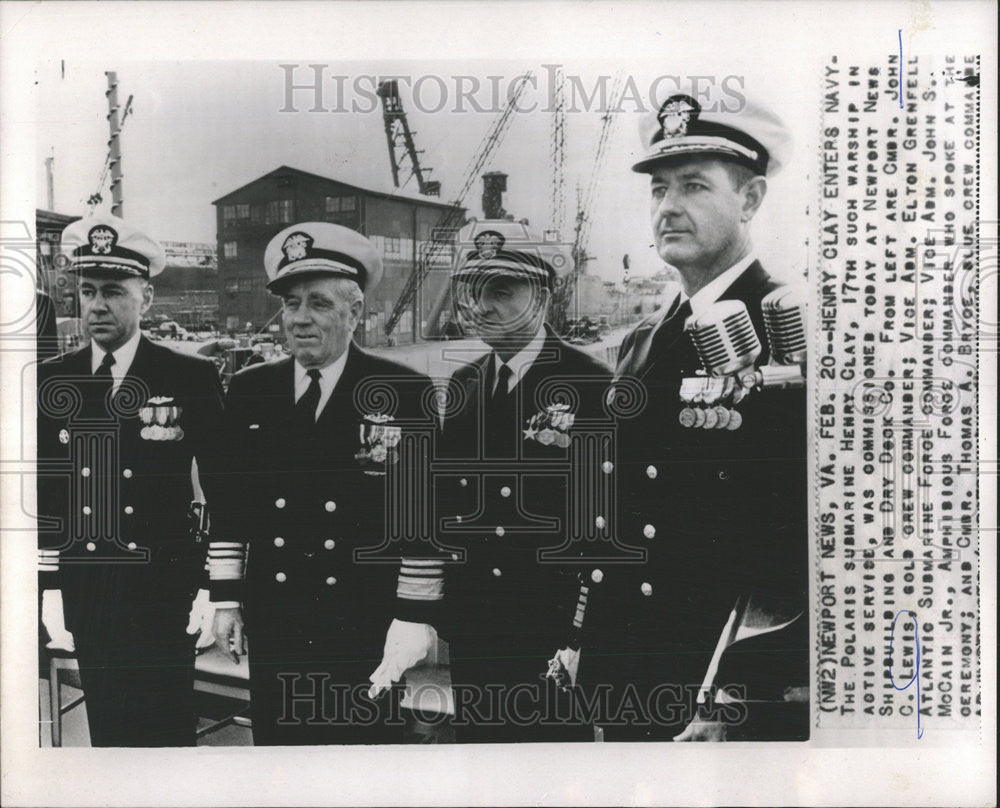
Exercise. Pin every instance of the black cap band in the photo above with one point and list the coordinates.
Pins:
(509, 262)
(702, 128)
(116, 259)
(331, 255)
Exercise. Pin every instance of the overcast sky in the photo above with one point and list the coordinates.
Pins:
(199, 130)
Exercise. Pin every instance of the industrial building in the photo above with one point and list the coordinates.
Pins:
(53, 279)
(400, 226)
(187, 292)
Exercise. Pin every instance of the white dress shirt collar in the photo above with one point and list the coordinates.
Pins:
(328, 378)
(124, 357)
(715, 288)
(521, 361)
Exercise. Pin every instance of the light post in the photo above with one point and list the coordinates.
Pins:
(625, 318)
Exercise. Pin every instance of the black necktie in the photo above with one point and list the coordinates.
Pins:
(672, 325)
(502, 382)
(306, 406)
(501, 428)
(101, 386)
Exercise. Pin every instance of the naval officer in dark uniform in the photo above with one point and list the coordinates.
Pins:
(310, 440)
(512, 457)
(712, 484)
(119, 423)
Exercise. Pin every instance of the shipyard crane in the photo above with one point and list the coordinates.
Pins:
(585, 201)
(557, 158)
(400, 139)
(113, 161)
(442, 234)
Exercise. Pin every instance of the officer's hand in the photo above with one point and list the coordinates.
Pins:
(564, 664)
(200, 619)
(54, 621)
(702, 730)
(227, 626)
(406, 645)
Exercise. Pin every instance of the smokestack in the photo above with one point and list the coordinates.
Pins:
(494, 185)
(114, 145)
(50, 183)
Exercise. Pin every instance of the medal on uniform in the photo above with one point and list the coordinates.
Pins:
(690, 388)
(699, 417)
(379, 440)
(701, 398)
(711, 418)
(551, 426)
(711, 396)
(160, 416)
(732, 393)
(722, 414)
(717, 389)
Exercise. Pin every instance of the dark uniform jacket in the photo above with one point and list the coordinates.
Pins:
(114, 496)
(304, 505)
(721, 514)
(45, 324)
(508, 502)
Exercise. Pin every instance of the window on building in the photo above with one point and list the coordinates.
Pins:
(256, 214)
(392, 245)
(281, 211)
(341, 204)
(243, 211)
(228, 214)
(245, 284)
(229, 249)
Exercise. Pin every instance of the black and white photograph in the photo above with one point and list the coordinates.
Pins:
(603, 394)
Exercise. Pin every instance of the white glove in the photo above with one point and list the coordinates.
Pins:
(563, 666)
(406, 645)
(702, 730)
(200, 619)
(54, 621)
(570, 660)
